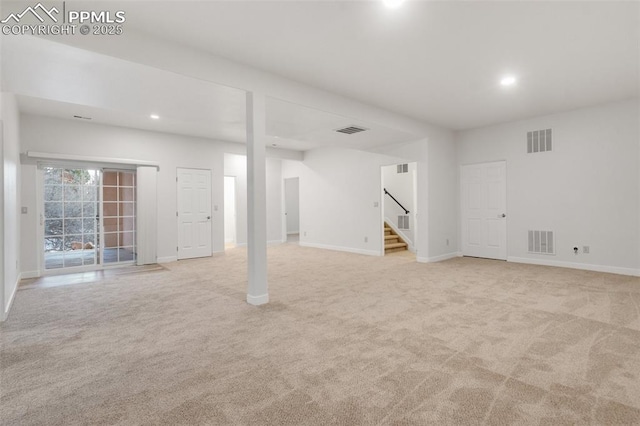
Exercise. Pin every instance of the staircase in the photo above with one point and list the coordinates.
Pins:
(392, 241)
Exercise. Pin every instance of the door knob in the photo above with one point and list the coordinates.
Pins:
(208, 217)
(502, 215)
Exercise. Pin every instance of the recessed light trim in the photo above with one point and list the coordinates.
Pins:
(508, 80)
(154, 117)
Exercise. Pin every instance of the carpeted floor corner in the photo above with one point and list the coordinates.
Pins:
(346, 340)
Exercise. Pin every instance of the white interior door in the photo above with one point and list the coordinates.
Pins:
(230, 209)
(483, 205)
(194, 213)
(292, 204)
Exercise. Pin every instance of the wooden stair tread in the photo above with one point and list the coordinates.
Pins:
(392, 241)
(395, 245)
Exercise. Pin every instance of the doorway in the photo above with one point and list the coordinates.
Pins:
(194, 213)
(483, 210)
(230, 219)
(88, 218)
(292, 208)
(399, 207)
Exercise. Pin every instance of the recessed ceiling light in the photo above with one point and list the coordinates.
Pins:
(393, 4)
(155, 116)
(508, 80)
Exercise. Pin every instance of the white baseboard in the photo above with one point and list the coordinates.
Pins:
(293, 233)
(574, 265)
(258, 300)
(338, 248)
(26, 275)
(167, 259)
(440, 258)
(269, 243)
(5, 311)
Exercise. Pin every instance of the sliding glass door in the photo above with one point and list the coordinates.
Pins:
(88, 218)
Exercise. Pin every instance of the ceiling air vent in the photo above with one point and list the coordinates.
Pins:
(351, 130)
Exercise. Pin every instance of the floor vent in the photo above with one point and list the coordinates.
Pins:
(351, 130)
(541, 242)
(539, 141)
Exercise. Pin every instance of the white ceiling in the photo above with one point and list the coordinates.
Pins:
(60, 81)
(438, 61)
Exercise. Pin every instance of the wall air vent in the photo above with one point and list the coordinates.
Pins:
(541, 242)
(351, 130)
(539, 141)
(403, 222)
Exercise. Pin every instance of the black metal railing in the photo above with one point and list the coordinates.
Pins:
(397, 202)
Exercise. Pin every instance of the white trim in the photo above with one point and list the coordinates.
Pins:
(440, 258)
(90, 159)
(5, 312)
(572, 265)
(269, 243)
(167, 259)
(258, 300)
(337, 248)
(30, 274)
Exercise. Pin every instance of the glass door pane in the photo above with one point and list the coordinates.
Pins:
(119, 214)
(70, 221)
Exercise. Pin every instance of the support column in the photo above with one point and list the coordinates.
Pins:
(257, 291)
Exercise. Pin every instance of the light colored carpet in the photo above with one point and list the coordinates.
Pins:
(347, 339)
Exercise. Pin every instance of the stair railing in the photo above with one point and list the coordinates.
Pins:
(397, 202)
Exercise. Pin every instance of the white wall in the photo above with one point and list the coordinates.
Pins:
(586, 190)
(400, 185)
(230, 200)
(11, 200)
(236, 165)
(338, 189)
(292, 204)
(170, 151)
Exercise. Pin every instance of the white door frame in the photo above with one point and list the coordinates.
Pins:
(413, 214)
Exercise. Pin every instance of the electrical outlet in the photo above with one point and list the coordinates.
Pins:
(24, 210)
(305, 233)
(447, 241)
(585, 249)
(366, 239)
(375, 204)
